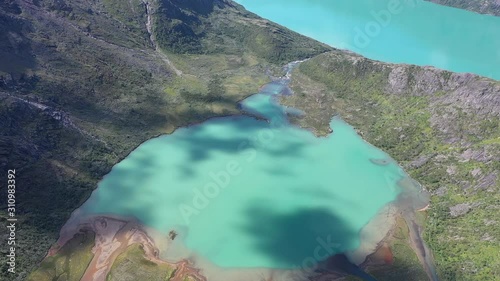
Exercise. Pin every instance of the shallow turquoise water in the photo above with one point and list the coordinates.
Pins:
(415, 31)
(243, 192)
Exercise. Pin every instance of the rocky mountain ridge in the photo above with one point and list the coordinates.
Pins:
(490, 7)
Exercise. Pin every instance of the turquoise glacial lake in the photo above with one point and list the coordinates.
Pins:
(244, 192)
(399, 31)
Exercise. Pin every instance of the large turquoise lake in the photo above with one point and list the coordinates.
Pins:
(399, 31)
(244, 192)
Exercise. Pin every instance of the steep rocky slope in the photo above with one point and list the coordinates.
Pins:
(490, 7)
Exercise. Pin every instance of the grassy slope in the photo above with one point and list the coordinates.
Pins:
(407, 126)
(69, 263)
(131, 265)
(93, 64)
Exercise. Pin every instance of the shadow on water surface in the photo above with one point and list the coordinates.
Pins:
(292, 237)
(314, 240)
(305, 238)
(241, 134)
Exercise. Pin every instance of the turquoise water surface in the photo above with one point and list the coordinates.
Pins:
(243, 192)
(399, 31)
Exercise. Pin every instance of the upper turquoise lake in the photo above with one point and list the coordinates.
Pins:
(398, 31)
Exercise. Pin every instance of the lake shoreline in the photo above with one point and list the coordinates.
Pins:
(114, 234)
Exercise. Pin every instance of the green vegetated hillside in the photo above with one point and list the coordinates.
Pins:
(83, 82)
(491, 7)
(442, 127)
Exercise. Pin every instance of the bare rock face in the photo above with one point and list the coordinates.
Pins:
(451, 170)
(428, 80)
(441, 191)
(487, 181)
(479, 154)
(398, 80)
(459, 210)
(476, 172)
(417, 81)
(478, 95)
(458, 79)
(419, 162)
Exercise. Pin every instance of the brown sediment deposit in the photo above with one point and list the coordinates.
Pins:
(112, 237)
(184, 269)
(383, 255)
